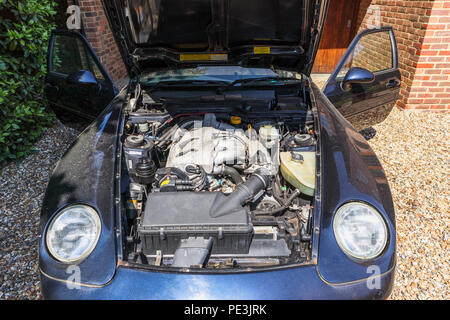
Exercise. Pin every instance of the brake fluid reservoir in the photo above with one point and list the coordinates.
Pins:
(299, 169)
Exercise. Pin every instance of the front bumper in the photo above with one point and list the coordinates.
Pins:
(288, 284)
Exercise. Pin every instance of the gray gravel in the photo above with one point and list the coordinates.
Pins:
(22, 188)
(414, 150)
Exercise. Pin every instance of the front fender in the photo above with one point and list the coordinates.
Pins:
(350, 171)
(85, 175)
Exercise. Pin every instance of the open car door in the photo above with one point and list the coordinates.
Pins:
(76, 84)
(366, 84)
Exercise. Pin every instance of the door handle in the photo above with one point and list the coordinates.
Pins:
(393, 84)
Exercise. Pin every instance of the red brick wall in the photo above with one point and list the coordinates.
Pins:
(422, 30)
(431, 85)
(100, 36)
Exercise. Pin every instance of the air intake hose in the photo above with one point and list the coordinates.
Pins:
(244, 192)
(229, 171)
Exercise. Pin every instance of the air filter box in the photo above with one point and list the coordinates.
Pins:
(170, 217)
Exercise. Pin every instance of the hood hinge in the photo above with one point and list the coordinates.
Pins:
(129, 60)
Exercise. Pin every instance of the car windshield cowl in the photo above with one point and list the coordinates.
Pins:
(264, 81)
(225, 76)
(224, 85)
(188, 83)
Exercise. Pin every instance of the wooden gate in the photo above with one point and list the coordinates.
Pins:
(340, 29)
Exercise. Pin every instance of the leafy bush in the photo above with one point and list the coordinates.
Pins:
(25, 28)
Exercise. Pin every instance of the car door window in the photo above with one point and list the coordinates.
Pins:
(70, 55)
(367, 102)
(373, 52)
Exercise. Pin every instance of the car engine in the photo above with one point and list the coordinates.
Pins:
(210, 190)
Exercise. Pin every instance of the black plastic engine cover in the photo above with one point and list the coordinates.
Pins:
(170, 217)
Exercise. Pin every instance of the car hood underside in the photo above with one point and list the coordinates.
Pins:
(161, 33)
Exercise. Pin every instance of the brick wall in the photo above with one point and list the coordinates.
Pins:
(431, 84)
(422, 30)
(100, 36)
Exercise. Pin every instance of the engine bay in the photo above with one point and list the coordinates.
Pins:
(217, 189)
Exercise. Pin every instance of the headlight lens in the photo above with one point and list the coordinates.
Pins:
(73, 233)
(360, 230)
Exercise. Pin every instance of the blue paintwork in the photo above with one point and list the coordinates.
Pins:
(85, 174)
(358, 75)
(82, 77)
(292, 284)
(350, 172)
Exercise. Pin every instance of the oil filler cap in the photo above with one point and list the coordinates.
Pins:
(235, 120)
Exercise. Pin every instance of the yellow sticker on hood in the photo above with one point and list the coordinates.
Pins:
(203, 57)
(261, 50)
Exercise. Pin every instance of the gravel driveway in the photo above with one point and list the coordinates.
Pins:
(22, 188)
(414, 150)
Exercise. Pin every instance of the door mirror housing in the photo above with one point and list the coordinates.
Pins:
(357, 75)
(83, 78)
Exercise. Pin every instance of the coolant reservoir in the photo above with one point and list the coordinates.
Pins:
(299, 169)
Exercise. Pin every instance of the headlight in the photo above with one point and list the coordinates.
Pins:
(360, 230)
(73, 233)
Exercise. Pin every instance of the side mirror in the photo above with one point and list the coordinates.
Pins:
(357, 75)
(82, 77)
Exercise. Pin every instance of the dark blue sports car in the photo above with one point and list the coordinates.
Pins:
(221, 171)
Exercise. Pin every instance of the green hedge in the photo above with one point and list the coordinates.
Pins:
(25, 27)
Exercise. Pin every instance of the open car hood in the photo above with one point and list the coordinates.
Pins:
(155, 34)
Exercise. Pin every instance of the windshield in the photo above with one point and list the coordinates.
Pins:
(214, 73)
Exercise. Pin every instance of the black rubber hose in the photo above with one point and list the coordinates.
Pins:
(281, 209)
(276, 190)
(233, 173)
(244, 192)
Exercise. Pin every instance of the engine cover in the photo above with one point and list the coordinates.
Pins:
(216, 144)
(209, 147)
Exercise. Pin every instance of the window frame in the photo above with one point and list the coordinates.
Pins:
(351, 48)
(87, 48)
